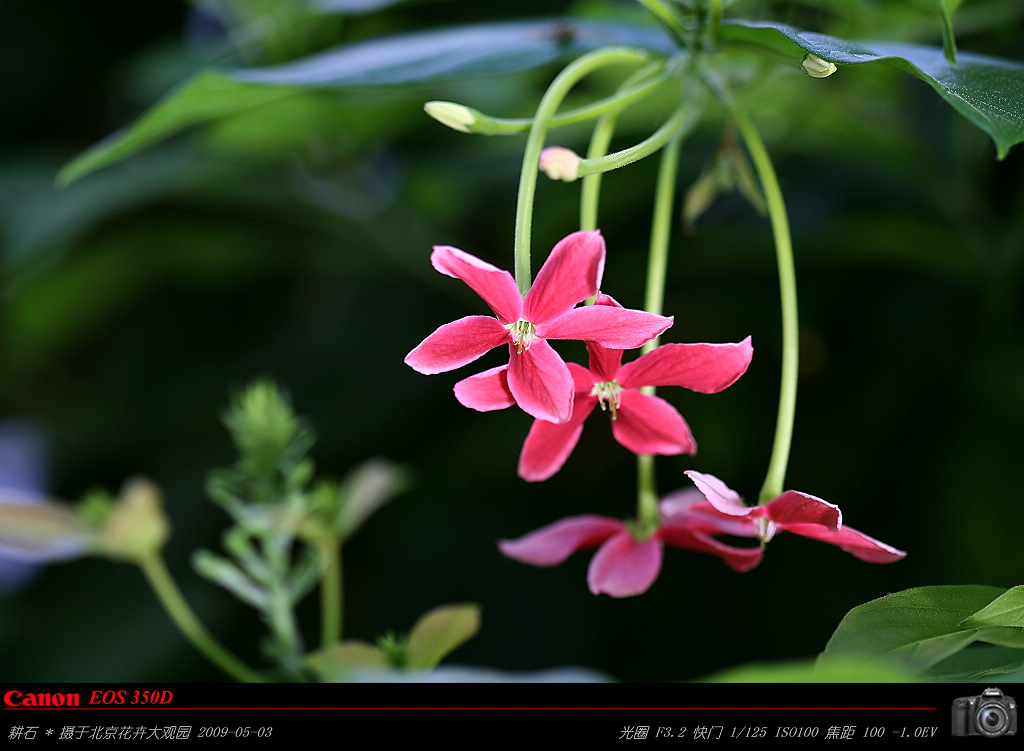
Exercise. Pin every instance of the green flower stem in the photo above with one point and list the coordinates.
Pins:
(486, 125)
(661, 230)
(681, 121)
(330, 592)
(181, 614)
(776, 475)
(647, 514)
(667, 17)
(600, 140)
(549, 104)
(654, 298)
(715, 22)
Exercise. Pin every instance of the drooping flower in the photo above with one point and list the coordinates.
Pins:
(799, 513)
(626, 565)
(642, 423)
(537, 378)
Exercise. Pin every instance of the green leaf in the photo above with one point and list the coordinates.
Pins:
(404, 59)
(839, 670)
(916, 627)
(224, 573)
(976, 662)
(1005, 610)
(336, 662)
(367, 487)
(988, 91)
(946, 10)
(439, 632)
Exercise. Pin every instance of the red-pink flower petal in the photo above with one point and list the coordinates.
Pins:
(540, 382)
(457, 343)
(496, 286)
(485, 391)
(548, 446)
(690, 507)
(794, 507)
(650, 425)
(615, 328)
(705, 368)
(682, 535)
(623, 567)
(571, 274)
(551, 545)
(604, 362)
(856, 543)
(718, 494)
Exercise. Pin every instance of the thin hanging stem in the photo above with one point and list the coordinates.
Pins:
(185, 619)
(682, 120)
(600, 140)
(549, 104)
(654, 300)
(776, 475)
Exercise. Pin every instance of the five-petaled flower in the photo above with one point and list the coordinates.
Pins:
(795, 512)
(537, 378)
(626, 565)
(643, 423)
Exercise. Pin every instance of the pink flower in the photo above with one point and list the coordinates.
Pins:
(537, 378)
(625, 565)
(795, 512)
(644, 424)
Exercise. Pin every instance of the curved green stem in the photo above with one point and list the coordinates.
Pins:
(472, 120)
(667, 18)
(600, 139)
(179, 611)
(681, 121)
(776, 475)
(549, 104)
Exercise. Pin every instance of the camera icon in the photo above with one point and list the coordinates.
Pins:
(992, 714)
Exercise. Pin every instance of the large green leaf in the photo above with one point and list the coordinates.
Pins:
(400, 60)
(838, 670)
(986, 90)
(919, 628)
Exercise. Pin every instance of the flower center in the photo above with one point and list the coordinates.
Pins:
(523, 333)
(767, 530)
(607, 392)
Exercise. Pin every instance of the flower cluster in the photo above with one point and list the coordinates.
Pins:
(560, 396)
(627, 563)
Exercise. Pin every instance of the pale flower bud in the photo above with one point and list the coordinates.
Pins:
(816, 67)
(560, 163)
(137, 525)
(455, 116)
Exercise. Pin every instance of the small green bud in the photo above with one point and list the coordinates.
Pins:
(137, 525)
(816, 67)
(560, 163)
(455, 116)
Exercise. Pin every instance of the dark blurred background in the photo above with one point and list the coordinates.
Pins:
(293, 242)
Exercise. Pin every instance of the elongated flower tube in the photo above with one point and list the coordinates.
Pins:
(537, 378)
(625, 565)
